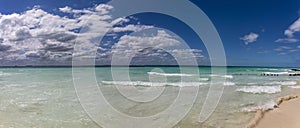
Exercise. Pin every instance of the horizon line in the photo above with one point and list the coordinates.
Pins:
(70, 66)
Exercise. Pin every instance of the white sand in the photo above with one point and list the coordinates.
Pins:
(287, 115)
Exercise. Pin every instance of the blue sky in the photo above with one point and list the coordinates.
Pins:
(254, 33)
(236, 18)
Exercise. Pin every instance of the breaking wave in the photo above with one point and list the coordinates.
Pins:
(283, 83)
(266, 106)
(228, 83)
(260, 89)
(169, 74)
(153, 84)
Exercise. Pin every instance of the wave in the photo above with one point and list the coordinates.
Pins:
(153, 84)
(271, 69)
(288, 83)
(279, 73)
(228, 83)
(228, 76)
(203, 79)
(224, 76)
(260, 89)
(283, 83)
(4, 74)
(266, 106)
(251, 83)
(169, 74)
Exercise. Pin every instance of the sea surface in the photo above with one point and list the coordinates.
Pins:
(46, 97)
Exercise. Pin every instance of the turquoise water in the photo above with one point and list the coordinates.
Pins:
(46, 97)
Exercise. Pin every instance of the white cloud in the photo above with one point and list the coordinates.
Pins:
(101, 9)
(187, 53)
(120, 21)
(134, 28)
(4, 47)
(36, 35)
(161, 46)
(287, 40)
(48, 37)
(295, 27)
(294, 50)
(282, 48)
(66, 9)
(250, 38)
(130, 45)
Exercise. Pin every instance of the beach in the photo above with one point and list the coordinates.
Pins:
(286, 115)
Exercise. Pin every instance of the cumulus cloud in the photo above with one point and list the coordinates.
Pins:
(38, 34)
(66, 9)
(250, 38)
(161, 40)
(134, 28)
(4, 47)
(157, 48)
(119, 21)
(39, 37)
(102, 9)
(130, 45)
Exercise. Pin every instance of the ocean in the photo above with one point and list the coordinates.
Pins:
(47, 97)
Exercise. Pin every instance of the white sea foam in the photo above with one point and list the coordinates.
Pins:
(289, 83)
(186, 84)
(132, 83)
(4, 74)
(251, 83)
(228, 83)
(266, 106)
(283, 83)
(153, 84)
(286, 73)
(169, 74)
(260, 89)
(203, 79)
(228, 76)
(271, 69)
(224, 76)
(279, 73)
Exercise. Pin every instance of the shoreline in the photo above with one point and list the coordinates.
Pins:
(284, 114)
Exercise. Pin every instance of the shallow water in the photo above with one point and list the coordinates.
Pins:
(45, 97)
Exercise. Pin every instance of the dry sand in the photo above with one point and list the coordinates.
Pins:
(286, 115)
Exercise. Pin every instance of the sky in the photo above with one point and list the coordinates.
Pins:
(45, 32)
